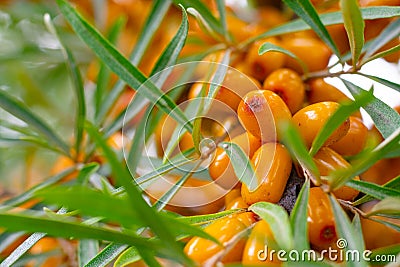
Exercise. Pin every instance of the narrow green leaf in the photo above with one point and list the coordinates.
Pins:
(294, 143)
(278, 221)
(384, 53)
(222, 17)
(346, 232)
(30, 194)
(389, 205)
(298, 219)
(389, 252)
(196, 135)
(266, 47)
(392, 184)
(389, 33)
(305, 10)
(358, 230)
(148, 258)
(120, 65)
(104, 74)
(107, 255)
(87, 249)
(68, 229)
(242, 165)
(152, 23)
(204, 11)
(373, 190)
(86, 171)
(17, 253)
(386, 119)
(139, 206)
(390, 84)
(387, 223)
(207, 218)
(354, 25)
(331, 18)
(340, 116)
(129, 256)
(21, 111)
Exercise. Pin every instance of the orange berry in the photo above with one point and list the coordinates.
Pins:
(312, 118)
(322, 91)
(47, 244)
(260, 238)
(354, 141)
(237, 203)
(224, 230)
(260, 112)
(321, 222)
(288, 85)
(221, 169)
(231, 195)
(327, 160)
(260, 66)
(272, 164)
(313, 52)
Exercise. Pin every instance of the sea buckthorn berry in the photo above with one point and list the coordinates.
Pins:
(231, 195)
(327, 161)
(186, 142)
(221, 169)
(312, 118)
(261, 66)
(260, 238)
(272, 164)
(247, 218)
(313, 52)
(235, 86)
(321, 222)
(321, 91)
(288, 85)
(377, 235)
(237, 203)
(224, 230)
(261, 111)
(354, 141)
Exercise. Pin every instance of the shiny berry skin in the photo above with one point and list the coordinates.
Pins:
(260, 66)
(327, 161)
(312, 118)
(320, 219)
(313, 52)
(288, 85)
(221, 170)
(272, 164)
(224, 230)
(320, 91)
(260, 238)
(261, 111)
(354, 141)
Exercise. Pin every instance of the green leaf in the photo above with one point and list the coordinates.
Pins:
(28, 243)
(354, 25)
(222, 17)
(207, 218)
(384, 53)
(390, 84)
(242, 165)
(205, 13)
(389, 205)
(331, 18)
(139, 206)
(22, 112)
(389, 33)
(278, 221)
(129, 256)
(152, 23)
(358, 230)
(87, 249)
(389, 251)
(346, 232)
(392, 184)
(266, 47)
(120, 65)
(386, 119)
(294, 143)
(340, 116)
(298, 219)
(86, 171)
(305, 10)
(107, 255)
(373, 190)
(68, 229)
